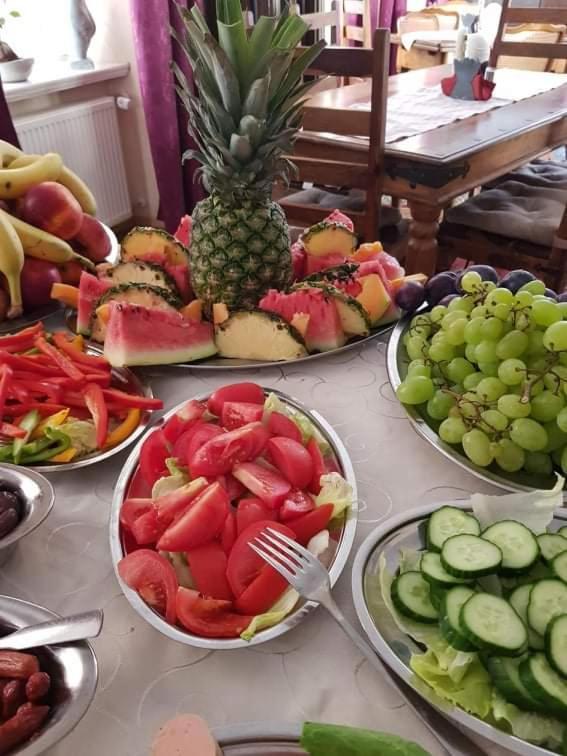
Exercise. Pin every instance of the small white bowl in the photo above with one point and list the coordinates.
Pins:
(13, 71)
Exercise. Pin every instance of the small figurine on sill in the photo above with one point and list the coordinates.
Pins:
(471, 59)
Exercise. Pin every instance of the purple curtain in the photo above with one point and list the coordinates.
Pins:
(384, 14)
(165, 117)
(7, 130)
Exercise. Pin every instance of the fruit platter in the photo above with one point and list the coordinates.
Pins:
(197, 489)
(62, 406)
(48, 234)
(467, 601)
(340, 295)
(482, 373)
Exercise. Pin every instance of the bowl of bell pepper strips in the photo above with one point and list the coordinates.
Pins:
(62, 406)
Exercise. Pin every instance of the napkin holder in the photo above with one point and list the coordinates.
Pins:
(468, 81)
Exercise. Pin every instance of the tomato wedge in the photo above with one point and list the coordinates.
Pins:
(236, 414)
(235, 392)
(208, 617)
(280, 425)
(318, 465)
(220, 454)
(171, 505)
(244, 565)
(183, 420)
(233, 487)
(292, 459)
(153, 577)
(201, 523)
(146, 528)
(264, 483)
(228, 533)
(296, 504)
(198, 437)
(133, 508)
(153, 454)
(262, 593)
(310, 524)
(250, 511)
(208, 568)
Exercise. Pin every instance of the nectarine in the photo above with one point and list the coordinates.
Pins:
(38, 276)
(93, 239)
(51, 207)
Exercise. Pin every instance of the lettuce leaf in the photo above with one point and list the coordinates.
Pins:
(169, 483)
(533, 509)
(335, 490)
(274, 404)
(528, 725)
(82, 434)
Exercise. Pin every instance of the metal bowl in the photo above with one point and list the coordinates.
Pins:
(38, 497)
(259, 739)
(406, 531)
(396, 364)
(303, 607)
(73, 670)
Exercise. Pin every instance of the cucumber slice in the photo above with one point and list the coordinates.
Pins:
(559, 566)
(551, 544)
(491, 624)
(468, 556)
(548, 599)
(410, 594)
(563, 531)
(520, 598)
(432, 569)
(504, 673)
(556, 644)
(447, 522)
(450, 626)
(544, 684)
(517, 543)
(436, 594)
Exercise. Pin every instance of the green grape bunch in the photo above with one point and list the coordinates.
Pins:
(488, 367)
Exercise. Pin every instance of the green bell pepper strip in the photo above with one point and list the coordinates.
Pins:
(44, 449)
(6, 452)
(29, 423)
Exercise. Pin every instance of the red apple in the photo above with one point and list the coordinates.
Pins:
(70, 272)
(93, 239)
(37, 278)
(51, 207)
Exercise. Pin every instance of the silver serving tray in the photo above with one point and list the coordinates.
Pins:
(406, 531)
(48, 310)
(396, 364)
(125, 380)
(261, 739)
(337, 560)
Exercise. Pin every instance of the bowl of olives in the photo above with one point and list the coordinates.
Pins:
(26, 498)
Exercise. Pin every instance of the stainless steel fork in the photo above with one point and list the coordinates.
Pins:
(308, 576)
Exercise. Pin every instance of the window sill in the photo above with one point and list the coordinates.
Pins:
(46, 81)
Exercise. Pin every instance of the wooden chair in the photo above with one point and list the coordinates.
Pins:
(344, 173)
(429, 19)
(343, 33)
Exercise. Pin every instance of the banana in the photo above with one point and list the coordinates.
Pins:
(38, 243)
(11, 264)
(70, 180)
(7, 153)
(14, 182)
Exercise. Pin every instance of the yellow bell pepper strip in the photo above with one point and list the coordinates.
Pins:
(78, 342)
(53, 421)
(125, 429)
(28, 423)
(65, 456)
(96, 405)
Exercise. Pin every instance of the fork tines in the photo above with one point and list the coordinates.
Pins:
(279, 551)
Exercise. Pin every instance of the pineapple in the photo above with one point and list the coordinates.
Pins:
(244, 122)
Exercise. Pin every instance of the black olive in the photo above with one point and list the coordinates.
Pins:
(11, 500)
(8, 521)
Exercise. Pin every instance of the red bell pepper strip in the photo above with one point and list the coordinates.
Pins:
(53, 393)
(22, 337)
(132, 400)
(5, 379)
(100, 378)
(97, 407)
(61, 360)
(60, 340)
(44, 408)
(18, 362)
(12, 431)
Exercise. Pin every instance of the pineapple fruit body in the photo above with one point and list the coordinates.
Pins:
(238, 250)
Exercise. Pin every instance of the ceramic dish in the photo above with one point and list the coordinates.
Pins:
(394, 647)
(396, 363)
(73, 670)
(336, 562)
(262, 739)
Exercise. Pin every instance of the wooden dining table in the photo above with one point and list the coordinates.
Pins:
(431, 169)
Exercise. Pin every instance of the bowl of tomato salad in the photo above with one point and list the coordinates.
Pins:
(197, 489)
(62, 406)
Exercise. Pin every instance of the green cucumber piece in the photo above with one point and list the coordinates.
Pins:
(551, 544)
(433, 571)
(548, 599)
(520, 598)
(491, 624)
(410, 595)
(563, 531)
(449, 521)
(559, 566)
(436, 594)
(519, 547)
(468, 556)
(544, 684)
(450, 626)
(505, 674)
(556, 644)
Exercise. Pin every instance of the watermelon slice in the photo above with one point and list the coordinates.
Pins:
(138, 335)
(324, 331)
(298, 255)
(337, 217)
(91, 290)
(183, 233)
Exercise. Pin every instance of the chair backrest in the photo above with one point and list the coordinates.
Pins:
(338, 19)
(515, 45)
(428, 19)
(536, 33)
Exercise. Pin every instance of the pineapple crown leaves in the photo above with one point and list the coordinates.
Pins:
(251, 94)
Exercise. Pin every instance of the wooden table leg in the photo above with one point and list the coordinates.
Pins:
(422, 243)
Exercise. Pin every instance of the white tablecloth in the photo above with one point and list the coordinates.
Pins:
(312, 672)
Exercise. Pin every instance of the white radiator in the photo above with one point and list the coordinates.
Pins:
(87, 137)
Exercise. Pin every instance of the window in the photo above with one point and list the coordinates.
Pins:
(42, 31)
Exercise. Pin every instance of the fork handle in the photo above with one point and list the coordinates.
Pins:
(452, 740)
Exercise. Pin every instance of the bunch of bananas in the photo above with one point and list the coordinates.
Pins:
(18, 173)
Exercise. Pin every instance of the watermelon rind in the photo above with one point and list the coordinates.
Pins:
(258, 335)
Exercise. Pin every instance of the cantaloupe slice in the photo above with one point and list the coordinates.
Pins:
(397, 282)
(220, 313)
(373, 297)
(193, 311)
(300, 321)
(103, 313)
(367, 251)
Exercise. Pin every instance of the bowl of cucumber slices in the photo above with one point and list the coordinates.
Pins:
(467, 602)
